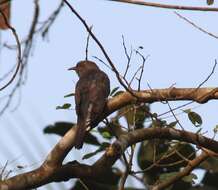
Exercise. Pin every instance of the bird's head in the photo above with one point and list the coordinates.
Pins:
(83, 67)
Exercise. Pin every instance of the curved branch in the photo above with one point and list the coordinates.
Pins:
(165, 6)
(196, 26)
(52, 166)
(50, 173)
(19, 60)
(200, 95)
(23, 59)
(172, 134)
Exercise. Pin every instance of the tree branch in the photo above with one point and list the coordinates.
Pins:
(201, 95)
(196, 26)
(165, 6)
(50, 173)
(54, 160)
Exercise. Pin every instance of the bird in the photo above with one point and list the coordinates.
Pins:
(91, 93)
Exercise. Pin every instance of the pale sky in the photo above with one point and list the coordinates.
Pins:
(179, 54)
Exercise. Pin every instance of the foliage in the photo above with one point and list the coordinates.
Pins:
(159, 159)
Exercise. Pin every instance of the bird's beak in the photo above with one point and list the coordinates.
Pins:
(72, 68)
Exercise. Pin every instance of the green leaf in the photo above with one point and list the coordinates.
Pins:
(195, 118)
(114, 90)
(179, 185)
(210, 2)
(190, 178)
(107, 131)
(118, 92)
(91, 154)
(59, 128)
(187, 111)
(106, 135)
(91, 139)
(159, 123)
(166, 176)
(69, 95)
(211, 164)
(172, 124)
(215, 130)
(64, 106)
(103, 146)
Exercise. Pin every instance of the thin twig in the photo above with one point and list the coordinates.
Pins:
(19, 60)
(208, 77)
(101, 47)
(197, 27)
(46, 25)
(8, 73)
(186, 171)
(87, 44)
(133, 77)
(176, 108)
(158, 162)
(144, 59)
(128, 56)
(128, 168)
(174, 115)
(128, 164)
(199, 86)
(165, 6)
(83, 184)
(95, 57)
(102, 62)
(3, 170)
(25, 56)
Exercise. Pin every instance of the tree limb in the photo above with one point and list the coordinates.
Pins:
(52, 173)
(201, 95)
(165, 6)
(53, 163)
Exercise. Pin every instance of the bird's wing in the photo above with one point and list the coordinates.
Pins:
(99, 87)
(105, 84)
(77, 99)
(82, 97)
(81, 101)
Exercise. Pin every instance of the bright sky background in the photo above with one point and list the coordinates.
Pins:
(178, 53)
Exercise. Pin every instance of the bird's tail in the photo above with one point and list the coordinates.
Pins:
(82, 126)
(80, 134)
